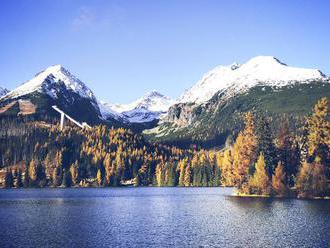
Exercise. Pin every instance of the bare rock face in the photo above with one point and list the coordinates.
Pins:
(26, 107)
(181, 114)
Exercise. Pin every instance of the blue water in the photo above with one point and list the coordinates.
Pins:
(158, 217)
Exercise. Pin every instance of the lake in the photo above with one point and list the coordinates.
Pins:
(158, 217)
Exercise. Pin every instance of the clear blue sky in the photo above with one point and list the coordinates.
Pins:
(122, 49)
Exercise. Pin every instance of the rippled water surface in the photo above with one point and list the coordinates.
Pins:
(158, 217)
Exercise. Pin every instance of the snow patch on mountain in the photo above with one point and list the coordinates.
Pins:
(53, 75)
(260, 70)
(142, 115)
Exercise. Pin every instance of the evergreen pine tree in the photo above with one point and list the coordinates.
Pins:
(288, 152)
(41, 175)
(19, 181)
(216, 177)
(67, 181)
(9, 181)
(265, 143)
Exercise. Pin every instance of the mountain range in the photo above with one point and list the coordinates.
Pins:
(56, 85)
(206, 113)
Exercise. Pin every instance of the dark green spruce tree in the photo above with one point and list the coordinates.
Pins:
(9, 180)
(19, 180)
(67, 180)
(266, 145)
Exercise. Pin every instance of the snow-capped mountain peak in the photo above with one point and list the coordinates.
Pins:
(260, 70)
(3, 91)
(145, 109)
(49, 77)
(152, 101)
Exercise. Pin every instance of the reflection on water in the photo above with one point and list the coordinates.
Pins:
(158, 217)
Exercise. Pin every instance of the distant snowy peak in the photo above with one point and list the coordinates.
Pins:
(46, 80)
(144, 109)
(261, 70)
(107, 112)
(3, 91)
(152, 101)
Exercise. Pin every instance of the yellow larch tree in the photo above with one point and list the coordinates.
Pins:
(227, 177)
(318, 129)
(279, 182)
(259, 183)
(244, 152)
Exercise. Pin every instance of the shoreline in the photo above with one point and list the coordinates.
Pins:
(280, 197)
(235, 194)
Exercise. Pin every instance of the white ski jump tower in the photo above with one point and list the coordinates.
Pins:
(63, 115)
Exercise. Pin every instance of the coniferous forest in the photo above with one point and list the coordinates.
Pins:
(285, 162)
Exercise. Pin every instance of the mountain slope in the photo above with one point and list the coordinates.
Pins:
(284, 92)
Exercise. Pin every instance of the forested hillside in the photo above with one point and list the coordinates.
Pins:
(260, 160)
(209, 124)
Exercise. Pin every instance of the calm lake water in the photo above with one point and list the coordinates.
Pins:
(158, 217)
